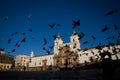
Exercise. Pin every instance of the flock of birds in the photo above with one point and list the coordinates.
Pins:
(18, 43)
(75, 24)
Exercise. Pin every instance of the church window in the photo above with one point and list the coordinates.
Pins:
(74, 46)
(30, 59)
(73, 40)
(7, 66)
(86, 54)
(39, 63)
(80, 54)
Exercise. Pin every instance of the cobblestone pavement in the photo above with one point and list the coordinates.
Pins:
(87, 74)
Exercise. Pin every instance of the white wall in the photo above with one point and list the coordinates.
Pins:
(38, 60)
(20, 59)
(85, 57)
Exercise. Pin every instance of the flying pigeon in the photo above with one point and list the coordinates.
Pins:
(111, 12)
(76, 23)
(45, 41)
(105, 29)
(51, 25)
(93, 37)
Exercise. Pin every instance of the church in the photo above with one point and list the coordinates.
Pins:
(70, 55)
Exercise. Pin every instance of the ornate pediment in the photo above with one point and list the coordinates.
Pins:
(66, 57)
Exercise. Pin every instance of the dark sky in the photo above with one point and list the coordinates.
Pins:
(23, 15)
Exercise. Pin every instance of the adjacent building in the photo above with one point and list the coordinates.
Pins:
(6, 61)
(41, 62)
(20, 63)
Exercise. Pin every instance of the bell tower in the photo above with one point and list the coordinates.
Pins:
(74, 40)
(31, 54)
(57, 43)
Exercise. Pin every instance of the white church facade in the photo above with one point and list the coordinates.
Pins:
(70, 54)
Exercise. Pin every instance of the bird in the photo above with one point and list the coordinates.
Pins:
(48, 51)
(78, 49)
(115, 27)
(71, 52)
(30, 30)
(105, 29)
(54, 37)
(108, 38)
(5, 18)
(67, 51)
(81, 35)
(91, 59)
(99, 44)
(51, 47)
(16, 32)
(9, 40)
(13, 50)
(111, 12)
(51, 25)
(112, 37)
(23, 33)
(2, 49)
(58, 24)
(76, 23)
(23, 40)
(45, 41)
(16, 44)
(44, 48)
(93, 37)
(85, 42)
(99, 47)
(85, 50)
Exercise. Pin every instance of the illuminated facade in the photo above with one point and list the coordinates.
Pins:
(70, 55)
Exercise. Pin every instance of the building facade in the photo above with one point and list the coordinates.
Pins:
(20, 63)
(6, 61)
(41, 62)
(71, 55)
